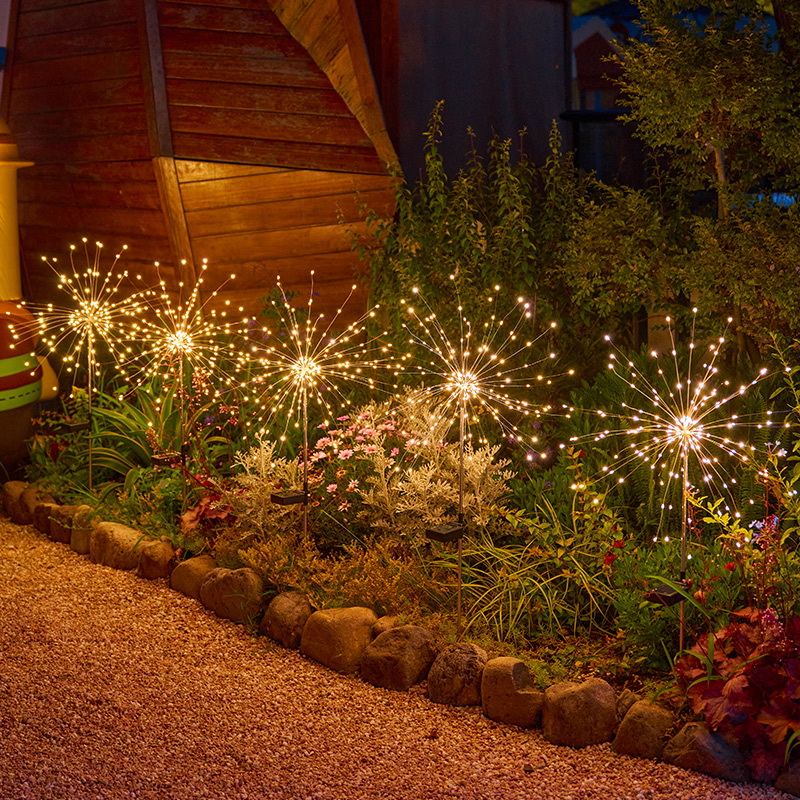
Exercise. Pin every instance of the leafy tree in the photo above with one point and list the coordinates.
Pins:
(713, 97)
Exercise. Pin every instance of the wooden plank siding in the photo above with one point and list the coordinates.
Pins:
(259, 122)
(330, 31)
(190, 130)
(273, 216)
(76, 82)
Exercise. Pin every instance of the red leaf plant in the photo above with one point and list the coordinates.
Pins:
(744, 681)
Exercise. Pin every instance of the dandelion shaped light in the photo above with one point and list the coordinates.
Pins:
(307, 357)
(94, 313)
(188, 335)
(481, 371)
(177, 334)
(682, 419)
(683, 422)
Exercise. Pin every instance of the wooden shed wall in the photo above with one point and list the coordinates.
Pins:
(186, 131)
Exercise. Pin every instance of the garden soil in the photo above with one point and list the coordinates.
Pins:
(114, 687)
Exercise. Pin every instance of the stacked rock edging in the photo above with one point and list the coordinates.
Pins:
(398, 658)
(395, 656)
(234, 594)
(285, 619)
(338, 637)
(579, 714)
(508, 694)
(455, 677)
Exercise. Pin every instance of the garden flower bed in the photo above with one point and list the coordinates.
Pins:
(387, 654)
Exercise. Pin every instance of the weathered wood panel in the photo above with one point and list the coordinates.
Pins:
(240, 45)
(276, 244)
(107, 194)
(74, 43)
(268, 154)
(232, 190)
(95, 220)
(276, 153)
(338, 267)
(190, 171)
(330, 296)
(229, 19)
(253, 4)
(90, 148)
(278, 100)
(76, 17)
(241, 123)
(305, 212)
(76, 96)
(77, 70)
(330, 31)
(83, 122)
(230, 69)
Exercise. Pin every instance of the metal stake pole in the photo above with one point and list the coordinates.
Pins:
(684, 521)
(305, 461)
(460, 509)
(89, 394)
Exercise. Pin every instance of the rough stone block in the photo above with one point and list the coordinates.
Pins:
(12, 494)
(399, 658)
(156, 559)
(42, 515)
(285, 618)
(643, 730)
(508, 693)
(188, 576)
(695, 747)
(234, 594)
(455, 677)
(579, 714)
(30, 498)
(82, 526)
(115, 545)
(337, 637)
(61, 523)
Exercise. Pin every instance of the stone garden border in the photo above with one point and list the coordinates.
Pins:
(353, 640)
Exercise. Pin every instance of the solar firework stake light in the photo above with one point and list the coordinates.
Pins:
(680, 424)
(186, 336)
(95, 313)
(305, 359)
(473, 373)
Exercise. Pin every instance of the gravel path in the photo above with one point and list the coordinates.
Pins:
(114, 687)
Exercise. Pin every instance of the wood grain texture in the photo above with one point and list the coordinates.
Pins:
(181, 250)
(329, 30)
(194, 130)
(308, 155)
(75, 71)
(82, 17)
(75, 43)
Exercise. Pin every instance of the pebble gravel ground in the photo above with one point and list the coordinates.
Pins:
(114, 687)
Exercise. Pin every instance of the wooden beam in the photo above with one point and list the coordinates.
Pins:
(372, 115)
(331, 33)
(155, 85)
(172, 206)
